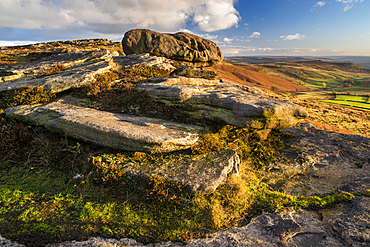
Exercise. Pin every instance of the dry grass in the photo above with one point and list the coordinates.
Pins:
(51, 71)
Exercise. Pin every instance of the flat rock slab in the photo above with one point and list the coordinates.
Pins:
(225, 102)
(319, 163)
(113, 130)
(161, 63)
(199, 173)
(81, 66)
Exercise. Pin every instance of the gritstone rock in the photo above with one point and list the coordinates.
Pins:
(179, 46)
(320, 163)
(224, 102)
(113, 130)
(161, 63)
(81, 67)
(353, 225)
(199, 173)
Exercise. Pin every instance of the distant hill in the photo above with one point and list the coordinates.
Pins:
(275, 59)
(363, 61)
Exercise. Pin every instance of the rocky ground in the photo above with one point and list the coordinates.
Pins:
(314, 162)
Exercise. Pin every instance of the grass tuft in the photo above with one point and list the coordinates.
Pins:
(51, 71)
(24, 96)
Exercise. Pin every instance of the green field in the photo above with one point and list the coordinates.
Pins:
(356, 101)
(335, 76)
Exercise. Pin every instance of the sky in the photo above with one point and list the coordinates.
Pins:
(240, 28)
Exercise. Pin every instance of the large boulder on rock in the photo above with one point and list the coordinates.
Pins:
(179, 46)
(113, 130)
(225, 103)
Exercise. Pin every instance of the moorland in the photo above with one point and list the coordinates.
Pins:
(54, 188)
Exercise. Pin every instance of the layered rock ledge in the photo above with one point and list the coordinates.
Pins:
(80, 69)
(120, 131)
(225, 102)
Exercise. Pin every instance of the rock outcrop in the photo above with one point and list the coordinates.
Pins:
(224, 102)
(319, 163)
(113, 130)
(199, 173)
(179, 46)
(80, 69)
(145, 59)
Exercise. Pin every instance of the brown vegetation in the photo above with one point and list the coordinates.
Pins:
(248, 77)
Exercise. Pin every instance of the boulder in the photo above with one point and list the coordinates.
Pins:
(113, 130)
(160, 63)
(81, 67)
(179, 46)
(199, 173)
(225, 103)
(319, 163)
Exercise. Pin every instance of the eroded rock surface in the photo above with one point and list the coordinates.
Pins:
(161, 63)
(178, 46)
(319, 163)
(225, 102)
(113, 130)
(81, 67)
(200, 173)
(353, 225)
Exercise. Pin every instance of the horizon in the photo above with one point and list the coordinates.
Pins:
(239, 28)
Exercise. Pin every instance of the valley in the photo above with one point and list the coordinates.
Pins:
(329, 81)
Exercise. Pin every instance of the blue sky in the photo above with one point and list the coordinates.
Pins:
(240, 28)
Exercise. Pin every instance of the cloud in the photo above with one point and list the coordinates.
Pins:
(320, 4)
(293, 36)
(349, 4)
(16, 43)
(227, 40)
(255, 35)
(117, 16)
(203, 35)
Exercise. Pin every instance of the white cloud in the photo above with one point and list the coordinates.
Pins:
(349, 4)
(15, 43)
(116, 16)
(320, 4)
(227, 40)
(255, 35)
(293, 36)
(203, 35)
